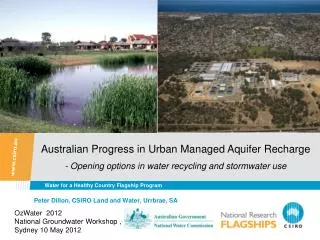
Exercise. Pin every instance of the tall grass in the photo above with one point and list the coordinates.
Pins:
(118, 59)
(128, 101)
(18, 76)
(15, 86)
(34, 66)
(151, 58)
(47, 95)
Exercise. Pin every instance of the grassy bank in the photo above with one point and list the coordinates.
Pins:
(92, 57)
(118, 59)
(10, 122)
(14, 123)
(128, 101)
(75, 59)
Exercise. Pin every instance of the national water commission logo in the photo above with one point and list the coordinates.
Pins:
(137, 219)
(293, 214)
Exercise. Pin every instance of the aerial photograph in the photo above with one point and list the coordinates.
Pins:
(239, 65)
(78, 66)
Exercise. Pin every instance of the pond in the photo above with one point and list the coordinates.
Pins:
(76, 84)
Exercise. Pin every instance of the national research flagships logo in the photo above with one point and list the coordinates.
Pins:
(137, 219)
(293, 213)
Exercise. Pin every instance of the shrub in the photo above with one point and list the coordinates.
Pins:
(34, 66)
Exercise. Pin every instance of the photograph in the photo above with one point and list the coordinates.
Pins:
(78, 66)
(239, 66)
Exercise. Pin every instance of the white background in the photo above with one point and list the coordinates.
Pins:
(53, 166)
(211, 203)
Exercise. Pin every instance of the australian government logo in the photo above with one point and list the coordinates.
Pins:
(182, 220)
(293, 214)
(137, 219)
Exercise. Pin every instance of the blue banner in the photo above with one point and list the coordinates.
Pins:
(175, 185)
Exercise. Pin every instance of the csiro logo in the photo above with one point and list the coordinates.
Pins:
(293, 213)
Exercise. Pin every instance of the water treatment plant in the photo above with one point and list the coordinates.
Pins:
(221, 79)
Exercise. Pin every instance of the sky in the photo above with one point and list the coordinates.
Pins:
(72, 20)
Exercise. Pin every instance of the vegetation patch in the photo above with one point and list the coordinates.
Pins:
(119, 59)
(18, 76)
(260, 51)
(288, 107)
(10, 122)
(128, 101)
(150, 58)
(33, 66)
(15, 86)
(268, 52)
(48, 95)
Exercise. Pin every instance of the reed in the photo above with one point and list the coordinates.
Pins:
(15, 86)
(128, 101)
(118, 59)
(151, 58)
(33, 66)
(47, 95)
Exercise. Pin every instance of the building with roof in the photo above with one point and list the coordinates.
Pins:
(290, 77)
(226, 67)
(142, 41)
(199, 67)
(87, 45)
(11, 44)
(276, 84)
(208, 76)
(104, 45)
(215, 67)
(120, 45)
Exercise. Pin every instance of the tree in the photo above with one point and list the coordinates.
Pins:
(113, 39)
(314, 94)
(46, 37)
(123, 40)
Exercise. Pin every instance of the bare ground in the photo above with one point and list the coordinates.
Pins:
(295, 65)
